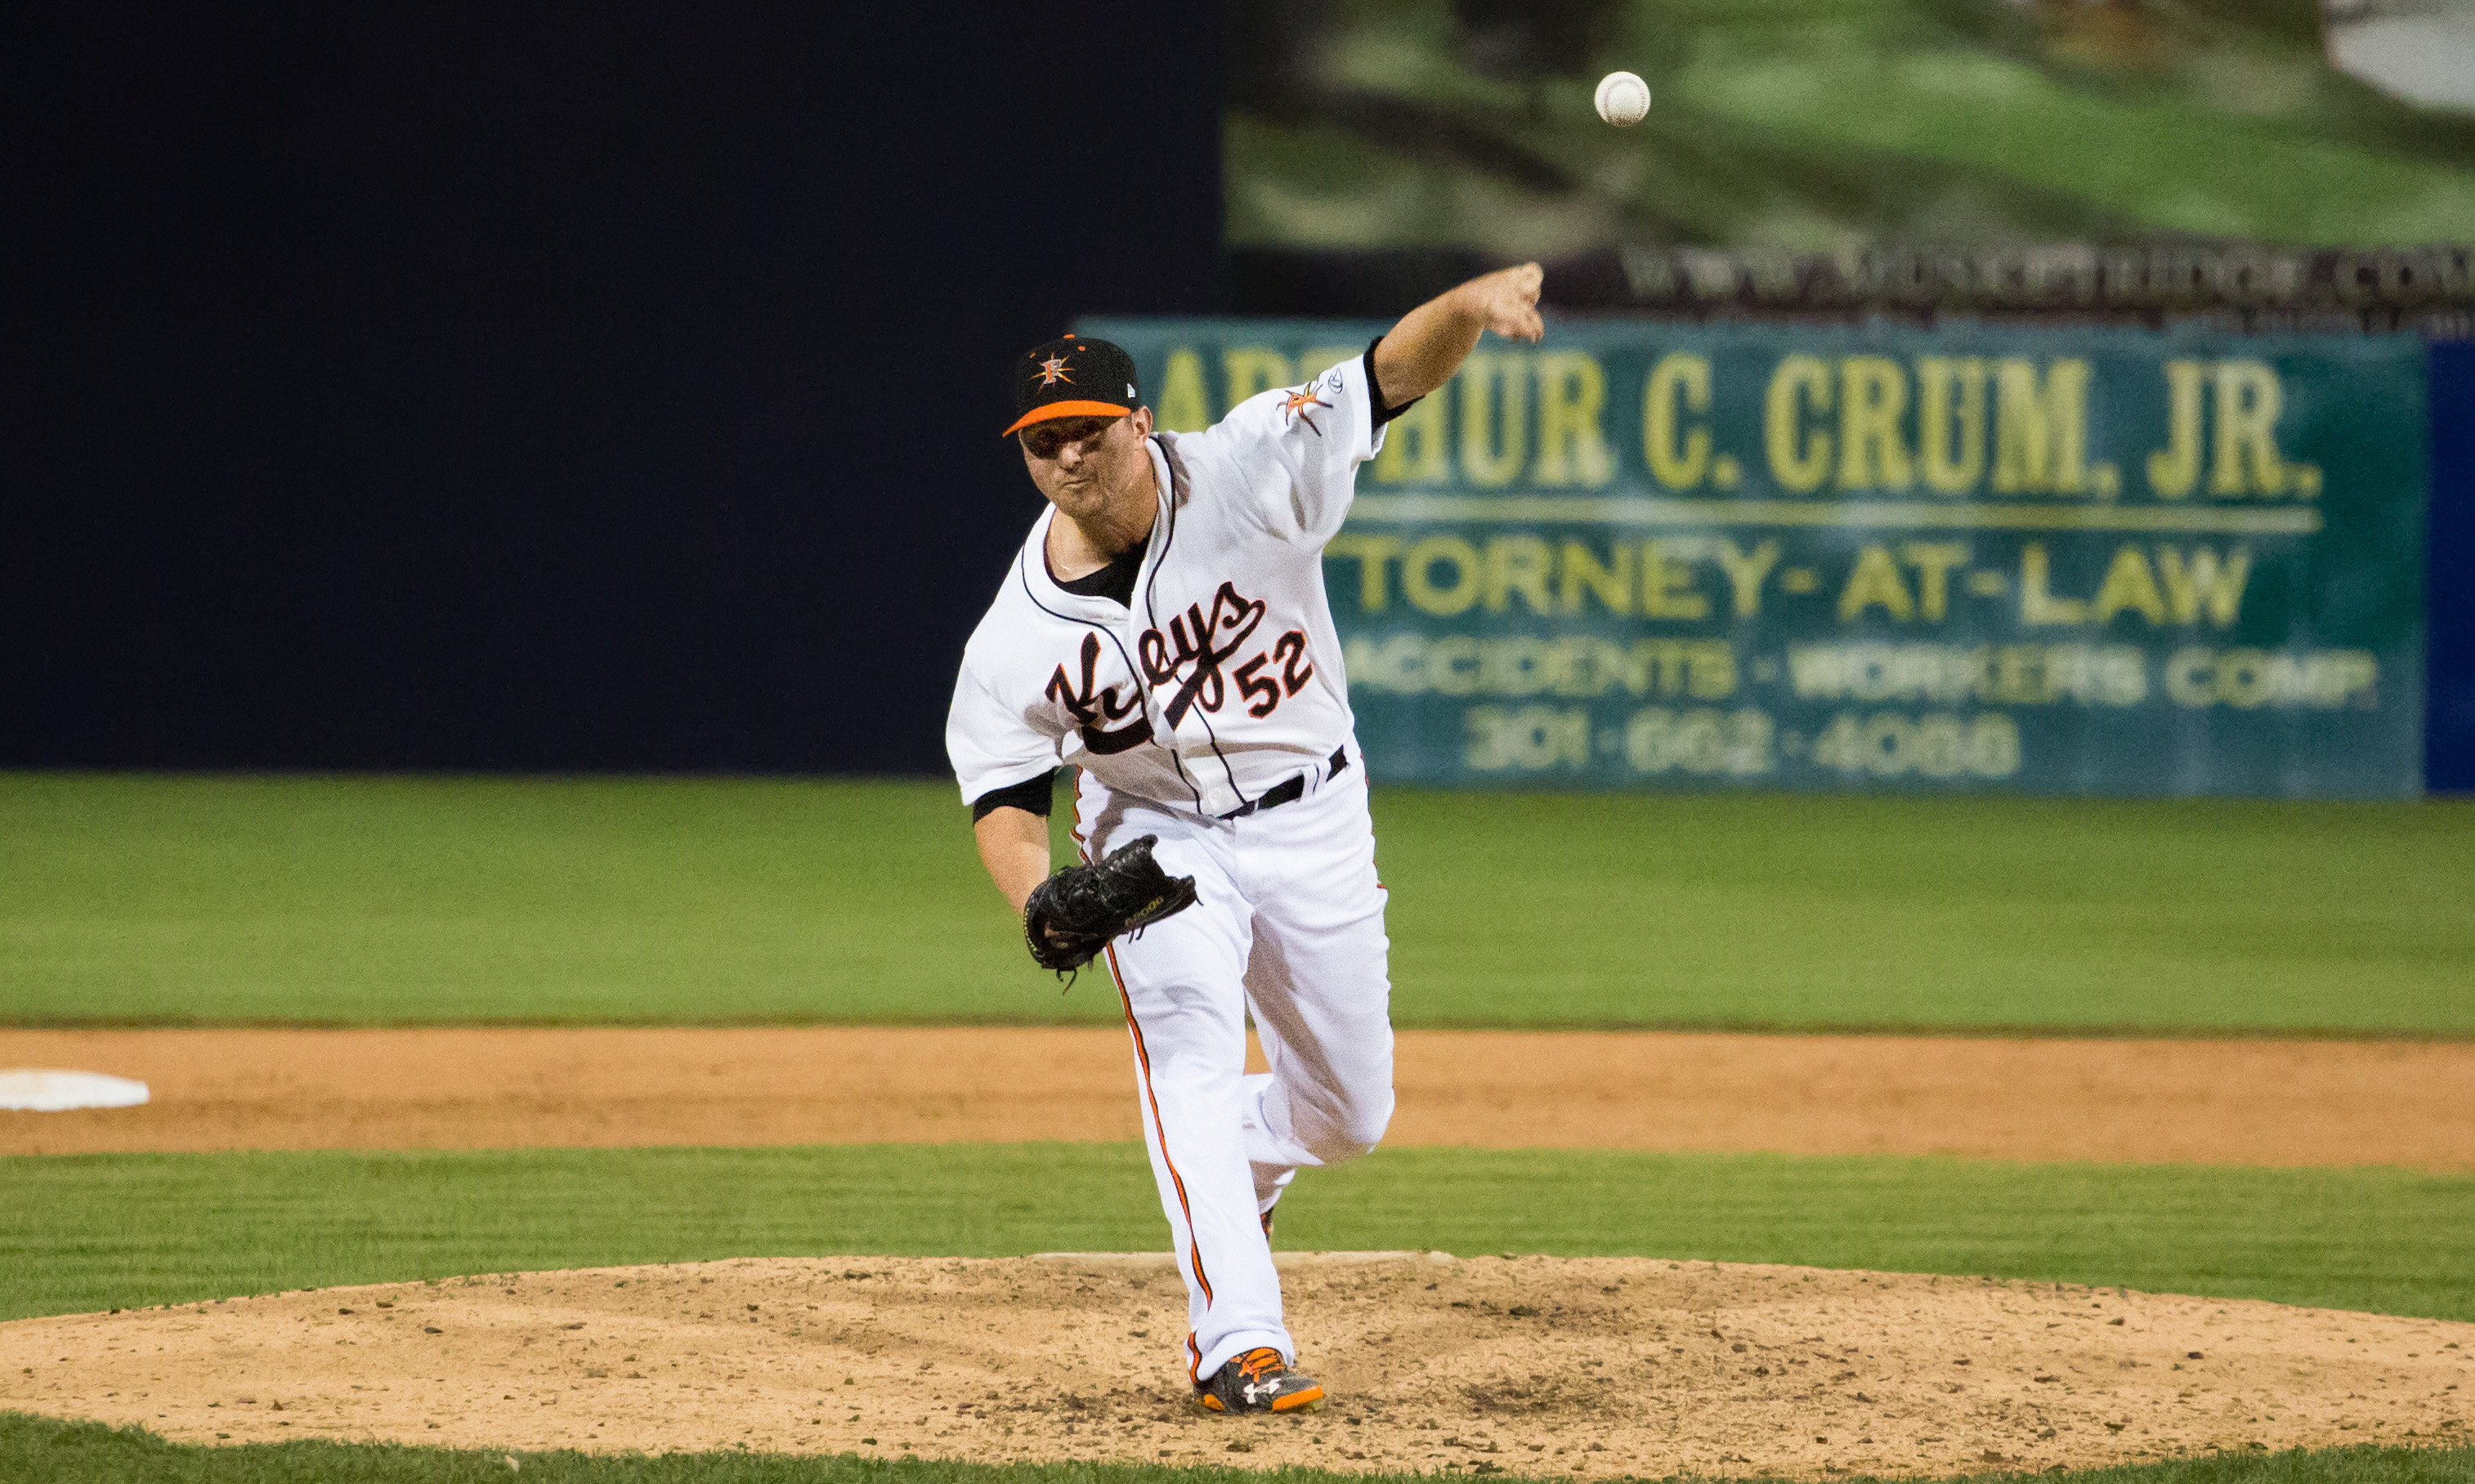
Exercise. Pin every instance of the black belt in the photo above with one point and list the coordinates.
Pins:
(1292, 791)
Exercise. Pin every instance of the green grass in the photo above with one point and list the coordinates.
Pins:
(383, 899)
(90, 1453)
(34, 1448)
(2216, 915)
(81, 1232)
(86, 1232)
(199, 900)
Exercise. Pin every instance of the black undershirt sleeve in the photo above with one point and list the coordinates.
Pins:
(1375, 389)
(1031, 795)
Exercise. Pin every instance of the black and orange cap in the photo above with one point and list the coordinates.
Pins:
(1072, 377)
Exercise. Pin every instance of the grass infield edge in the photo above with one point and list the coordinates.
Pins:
(66, 1451)
(1100, 1021)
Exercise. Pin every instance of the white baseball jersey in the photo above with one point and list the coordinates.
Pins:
(1223, 678)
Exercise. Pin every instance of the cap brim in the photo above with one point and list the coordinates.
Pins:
(1066, 409)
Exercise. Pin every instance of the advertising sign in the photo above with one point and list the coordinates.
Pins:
(1644, 554)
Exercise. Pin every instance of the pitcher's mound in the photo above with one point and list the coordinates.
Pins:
(1584, 1367)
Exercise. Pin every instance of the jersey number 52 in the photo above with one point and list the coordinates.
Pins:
(1261, 691)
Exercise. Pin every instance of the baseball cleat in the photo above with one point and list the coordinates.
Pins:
(1259, 1381)
(1266, 1219)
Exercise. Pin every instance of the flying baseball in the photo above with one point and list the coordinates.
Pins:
(1623, 98)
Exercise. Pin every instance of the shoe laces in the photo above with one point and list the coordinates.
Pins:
(1256, 1362)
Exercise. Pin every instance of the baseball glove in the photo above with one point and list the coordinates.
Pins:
(1073, 914)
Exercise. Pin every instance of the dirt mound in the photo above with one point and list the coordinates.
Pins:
(1588, 1367)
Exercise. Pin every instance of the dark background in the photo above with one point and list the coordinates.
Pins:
(608, 387)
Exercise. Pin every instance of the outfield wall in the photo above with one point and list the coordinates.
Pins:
(2449, 749)
(2091, 560)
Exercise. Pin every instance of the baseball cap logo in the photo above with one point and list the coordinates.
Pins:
(1072, 377)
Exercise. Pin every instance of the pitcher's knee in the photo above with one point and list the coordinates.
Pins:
(1355, 1128)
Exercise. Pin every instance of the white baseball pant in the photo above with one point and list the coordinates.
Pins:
(1287, 923)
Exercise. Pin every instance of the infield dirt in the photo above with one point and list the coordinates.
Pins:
(2256, 1102)
(1589, 1367)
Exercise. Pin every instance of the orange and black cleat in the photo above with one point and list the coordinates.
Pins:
(1259, 1381)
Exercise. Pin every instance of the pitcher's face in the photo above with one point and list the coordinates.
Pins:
(1079, 464)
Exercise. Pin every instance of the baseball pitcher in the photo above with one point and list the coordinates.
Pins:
(1164, 632)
